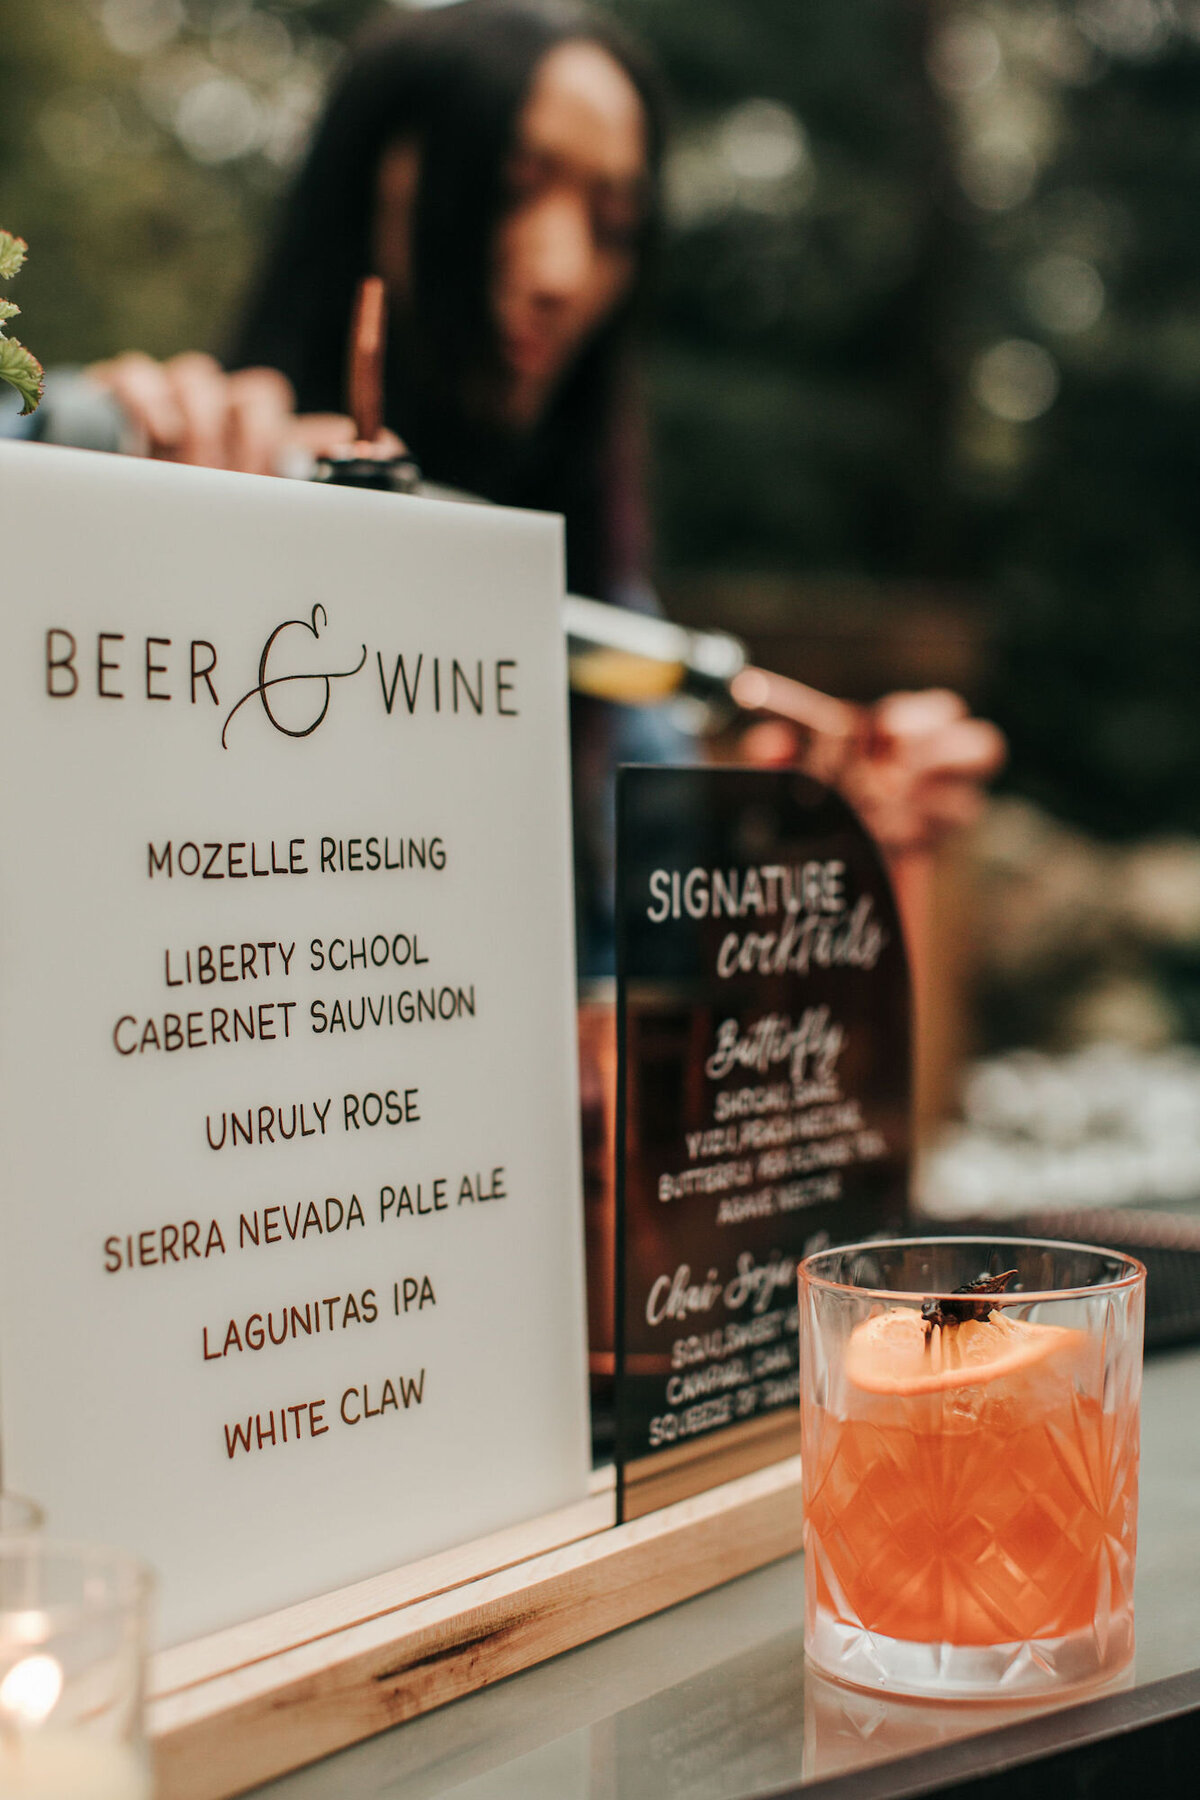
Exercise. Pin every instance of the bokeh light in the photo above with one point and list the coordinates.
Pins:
(1016, 380)
(763, 141)
(1064, 293)
(136, 27)
(998, 170)
(755, 156)
(965, 55)
(218, 119)
(1129, 28)
(30, 1689)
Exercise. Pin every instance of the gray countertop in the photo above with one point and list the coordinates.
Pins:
(711, 1701)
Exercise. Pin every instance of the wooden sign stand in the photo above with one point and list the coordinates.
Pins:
(246, 1705)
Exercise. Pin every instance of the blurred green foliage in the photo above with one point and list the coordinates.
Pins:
(930, 308)
(20, 370)
(965, 345)
(804, 297)
(141, 145)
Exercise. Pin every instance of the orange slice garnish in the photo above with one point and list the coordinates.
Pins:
(891, 1353)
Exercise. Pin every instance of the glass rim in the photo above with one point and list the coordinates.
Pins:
(131, 1579)
(1135, 1270)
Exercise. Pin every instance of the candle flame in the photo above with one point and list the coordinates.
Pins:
(30, 1689)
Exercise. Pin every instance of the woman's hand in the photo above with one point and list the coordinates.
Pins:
(189, 410)
(916, 771)
(923, 769)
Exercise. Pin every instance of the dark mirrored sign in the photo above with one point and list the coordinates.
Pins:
(763, 1103)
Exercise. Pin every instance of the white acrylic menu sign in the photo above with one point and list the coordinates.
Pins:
(291, 1285)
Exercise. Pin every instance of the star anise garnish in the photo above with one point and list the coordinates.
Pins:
(953, 1312)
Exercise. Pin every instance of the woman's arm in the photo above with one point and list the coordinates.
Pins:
(919, 773)
(188, 409)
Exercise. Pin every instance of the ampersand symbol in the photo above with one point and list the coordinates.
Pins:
(324, 678)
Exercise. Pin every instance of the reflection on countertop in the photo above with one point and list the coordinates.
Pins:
(712, 1701)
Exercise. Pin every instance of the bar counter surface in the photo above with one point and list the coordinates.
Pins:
(712, 1700)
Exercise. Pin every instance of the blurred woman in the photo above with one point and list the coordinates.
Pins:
(497, 162)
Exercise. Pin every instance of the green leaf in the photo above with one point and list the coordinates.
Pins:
(22, 371)
(12, 254)
(8, 310)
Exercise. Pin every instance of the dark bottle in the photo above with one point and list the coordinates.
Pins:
(363, 466)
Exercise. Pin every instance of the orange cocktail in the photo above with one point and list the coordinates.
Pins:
(970, 1464)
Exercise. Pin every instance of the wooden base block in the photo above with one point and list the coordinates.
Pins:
(667, 1476)
(246, 1705)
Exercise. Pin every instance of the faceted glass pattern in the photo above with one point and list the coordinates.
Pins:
(977, 1538)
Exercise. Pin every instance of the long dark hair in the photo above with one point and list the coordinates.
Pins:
(453, 80)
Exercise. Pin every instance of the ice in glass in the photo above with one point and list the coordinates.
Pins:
(970, 1443)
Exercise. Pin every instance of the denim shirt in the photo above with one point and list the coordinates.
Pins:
(73, 412)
